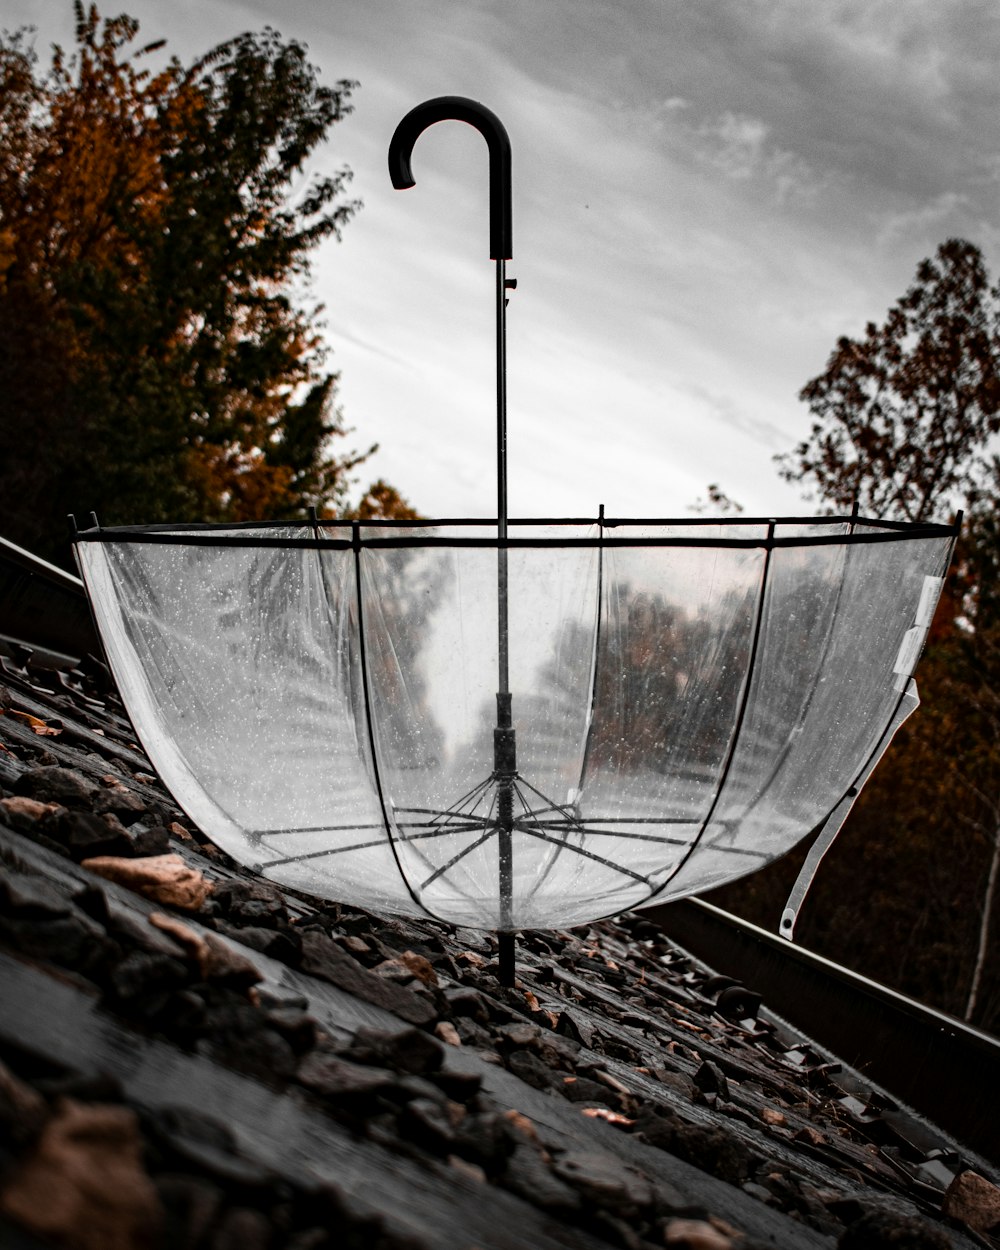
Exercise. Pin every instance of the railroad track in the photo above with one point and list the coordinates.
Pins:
(937, 1065)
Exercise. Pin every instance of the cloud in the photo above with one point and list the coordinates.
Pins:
(919, 219)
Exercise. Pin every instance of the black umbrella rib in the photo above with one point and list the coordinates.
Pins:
(365, 846)
(579, 850)
(618, 820)
(546, 872)
(587, 831)
(439, 872)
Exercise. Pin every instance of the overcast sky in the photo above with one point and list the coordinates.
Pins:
(706, 194)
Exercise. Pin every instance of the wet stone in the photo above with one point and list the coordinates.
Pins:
(55, 784)
(154, 840)
(532, 1070)
(431, 1123)
(884, 1230)
(26, 814)
(526, 1173)
(188, 1139)
(713, 1149)
(255, 903)
(341, 1080)
(87, 834)
(322, 957)
(281, 944)
(404, 1050)
(121, 802)
(695, 1235)
(973, 1200)
(582, 1089)
(296, 1026)
(163, 878)
(71, 941)
(86, 1173)
(30, 897)
(601, 1179)
(143, 973)
(472, 1034)
(710, 1079)
(483, 1138)
(465, 1002)
(459, 1086)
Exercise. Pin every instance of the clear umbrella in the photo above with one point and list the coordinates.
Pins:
(514, 723)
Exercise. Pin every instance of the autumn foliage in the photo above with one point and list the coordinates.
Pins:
(160, 359)
(905, 419)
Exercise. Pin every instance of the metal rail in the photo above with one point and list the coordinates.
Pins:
(942, 1068)
(44, 608)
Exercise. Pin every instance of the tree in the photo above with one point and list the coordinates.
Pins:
(903, 415)
(903, 422)
(159, 360)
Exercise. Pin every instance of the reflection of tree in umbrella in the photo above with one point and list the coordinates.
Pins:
(526, 724)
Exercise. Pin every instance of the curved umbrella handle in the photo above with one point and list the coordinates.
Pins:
(458, 108)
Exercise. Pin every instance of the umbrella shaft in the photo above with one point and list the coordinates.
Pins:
(504, 753)
(502, 630)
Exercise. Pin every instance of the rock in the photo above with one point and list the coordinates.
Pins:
(296, 1026)
(973, 1200)
(85, 1186)
(281, 944)
(484, 1139)
(119, 800)
(147, 841)
(71, 941)
(88, 834)
(395, 970)
(446, 1031)
(404, 1050)
(582, 1089)
(144, 974)
(526, 1173)
(342, 1080)
(31, 897)
(710, 1079)
(695, 1235)
(216, 959)
(54, 784)
(162, 878)
(532, 1070)
(23, 812)
(467, 1003)
(603, 1180)
(520, 1033)
(256, 903)
(322, 957)
(132, 930)
(713, 1149)
(420, 967)
(458, 1086)
(431, 1124)
(884, 1230)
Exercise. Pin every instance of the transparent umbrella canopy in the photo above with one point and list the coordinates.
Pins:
(512, 724)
